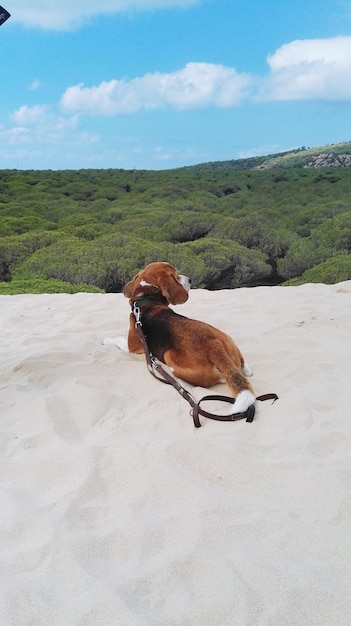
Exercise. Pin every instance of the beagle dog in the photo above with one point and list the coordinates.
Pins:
(196, 352)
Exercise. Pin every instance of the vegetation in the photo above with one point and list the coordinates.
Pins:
(265, 220)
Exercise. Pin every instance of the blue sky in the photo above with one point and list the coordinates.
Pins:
(156, 84)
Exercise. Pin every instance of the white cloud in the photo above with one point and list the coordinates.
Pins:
(40, 124)
(15, 136)
(318, 69)
(27, 116)
(34, 85)
(68, 14)
(196, 85)
(310, 69)
(43, 117)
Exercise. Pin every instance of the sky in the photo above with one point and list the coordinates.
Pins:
(160, 84)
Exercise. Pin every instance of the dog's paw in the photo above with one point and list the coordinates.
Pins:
(120, 342)
(246, 369)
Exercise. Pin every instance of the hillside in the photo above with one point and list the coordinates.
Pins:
(333, 155)
(268, 220)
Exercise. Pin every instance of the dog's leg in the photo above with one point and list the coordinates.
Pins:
(120, 342)
(246, 369)
(132, 344)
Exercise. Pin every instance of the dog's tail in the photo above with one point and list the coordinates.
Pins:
(242, 391)
(237, 382)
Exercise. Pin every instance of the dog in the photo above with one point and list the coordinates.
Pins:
(196, 352)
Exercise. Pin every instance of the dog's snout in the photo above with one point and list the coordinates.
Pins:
(185, 281)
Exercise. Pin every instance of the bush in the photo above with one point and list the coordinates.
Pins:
(253, 232)
(71, 260)
(301, 255)
(14, 250)
(108, 262)
(125, 256)
(77, 219)
(39, 285)
(333, 234)
(111, 261)
(19, 225)
(332, 271)
(326, 240)
(188, 227)
(228, 264)
(110, 223)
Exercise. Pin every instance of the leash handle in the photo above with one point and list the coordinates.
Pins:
(249, 414)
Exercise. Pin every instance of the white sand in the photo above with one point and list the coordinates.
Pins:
(116, 511)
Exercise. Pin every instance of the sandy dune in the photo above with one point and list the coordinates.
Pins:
(116, 511)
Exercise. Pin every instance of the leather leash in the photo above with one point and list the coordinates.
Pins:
(154, 366)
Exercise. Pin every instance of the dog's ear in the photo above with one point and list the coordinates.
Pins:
(171, 288)
(129, 287)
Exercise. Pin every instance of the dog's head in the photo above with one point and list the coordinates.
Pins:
(163, 277)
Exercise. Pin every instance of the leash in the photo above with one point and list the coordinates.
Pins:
(196, 410)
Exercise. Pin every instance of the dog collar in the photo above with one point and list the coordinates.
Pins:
(147, 299)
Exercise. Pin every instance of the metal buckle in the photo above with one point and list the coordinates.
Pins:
(154, 362)
(136, 312)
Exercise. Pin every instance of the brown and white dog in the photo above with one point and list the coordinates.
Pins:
(196, 352)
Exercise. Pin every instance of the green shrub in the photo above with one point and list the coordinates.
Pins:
(329, 238)
(124, 256)
(107, 263)
(253, 232)
(188, 227)
(39, 285)
(301, 255)
(334, 270)
(333, 234)
(14, 250)
(70, 260)
(19, 225)
(77, 219)
(110, 223)
(228, 264)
